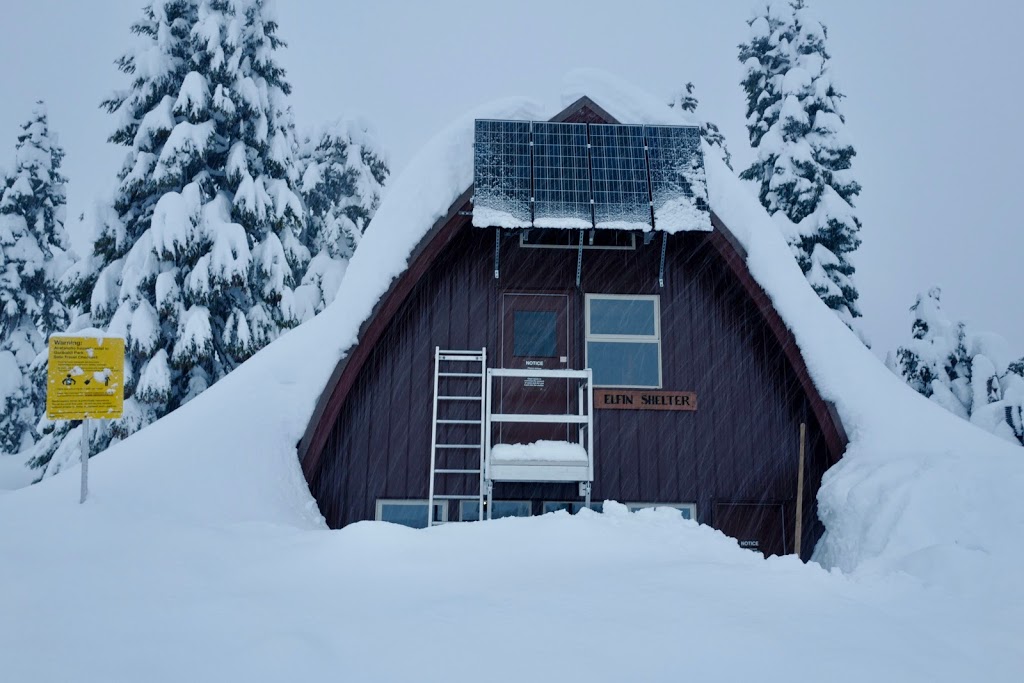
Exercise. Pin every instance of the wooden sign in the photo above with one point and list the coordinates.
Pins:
(639, 399)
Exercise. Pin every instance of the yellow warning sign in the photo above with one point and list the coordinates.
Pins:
(85, 378)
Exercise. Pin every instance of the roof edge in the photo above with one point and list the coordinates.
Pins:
(583, 104)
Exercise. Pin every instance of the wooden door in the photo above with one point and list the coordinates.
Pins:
(757, 526)
(535, 335)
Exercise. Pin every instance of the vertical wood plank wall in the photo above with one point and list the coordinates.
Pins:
(741, 445)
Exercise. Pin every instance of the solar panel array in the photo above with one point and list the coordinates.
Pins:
(578, 176)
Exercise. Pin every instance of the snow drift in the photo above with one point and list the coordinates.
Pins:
(914, 480)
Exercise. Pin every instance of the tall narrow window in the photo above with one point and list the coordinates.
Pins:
(624, 340)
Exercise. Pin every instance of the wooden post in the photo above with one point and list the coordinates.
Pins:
(800, 493)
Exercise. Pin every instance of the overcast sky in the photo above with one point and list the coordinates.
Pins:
(933, 107)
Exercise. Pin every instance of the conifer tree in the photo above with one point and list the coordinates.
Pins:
(343, 174)
(34, 252)
(196, 257)
(962, 370)
(687, 101)
(803, 154)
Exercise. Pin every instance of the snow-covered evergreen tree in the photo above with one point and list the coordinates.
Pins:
(343, 174)
(688, 102)
(965, 372)
(935, 363)
(803, 153)
(766, 59)
(196, 258)
(34, 252)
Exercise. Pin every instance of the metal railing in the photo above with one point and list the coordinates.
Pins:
(542, 471)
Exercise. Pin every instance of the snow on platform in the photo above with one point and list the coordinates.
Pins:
(539, 451)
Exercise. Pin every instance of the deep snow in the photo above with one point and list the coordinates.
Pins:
(95, 594)
(201, 555)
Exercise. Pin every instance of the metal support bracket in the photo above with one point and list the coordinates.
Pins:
(497, 252)
(661, 268)
(579, 260)
(585, 488)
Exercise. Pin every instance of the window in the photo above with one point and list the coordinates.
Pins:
(624, 340)
(535, 334)
(411, 513)
(687, 510)
(469, 510)
(557, 238)
(571, 507)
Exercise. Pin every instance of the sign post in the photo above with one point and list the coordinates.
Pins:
(85, 381)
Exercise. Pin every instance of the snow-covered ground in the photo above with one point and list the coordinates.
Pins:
(14, 474)
(201, 555)
(91, 593)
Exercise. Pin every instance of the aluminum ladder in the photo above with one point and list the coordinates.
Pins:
(463, 376)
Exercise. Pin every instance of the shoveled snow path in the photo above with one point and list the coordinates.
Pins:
(97, 596)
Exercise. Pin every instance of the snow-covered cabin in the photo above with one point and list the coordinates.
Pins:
(579, 325)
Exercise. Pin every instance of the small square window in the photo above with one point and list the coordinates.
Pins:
(535, 334)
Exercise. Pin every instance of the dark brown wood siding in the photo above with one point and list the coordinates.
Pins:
(741, 445)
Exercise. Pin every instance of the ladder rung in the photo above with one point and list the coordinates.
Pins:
(451, 471)
(460, 398)
(474, 446)
(460, 374)
(459, 422)
(453, 496)
(461, 359)
(462, 352)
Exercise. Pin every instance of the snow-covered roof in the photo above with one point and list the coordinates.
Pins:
(231, 452)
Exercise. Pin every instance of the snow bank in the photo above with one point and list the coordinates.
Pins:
(915, 481)
(879, 508)
(643, 596)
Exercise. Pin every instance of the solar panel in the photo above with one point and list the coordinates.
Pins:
(619, 172)
(678, 189)
(561, 176)
(579, 176)
(501, 174)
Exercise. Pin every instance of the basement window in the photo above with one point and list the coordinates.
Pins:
(624, 340)
(555, 238)
(572, 507)
(687, 510)
(411, 513)
(469, 510)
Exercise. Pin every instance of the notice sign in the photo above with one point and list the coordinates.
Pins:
(85, 378)
(638, 399)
